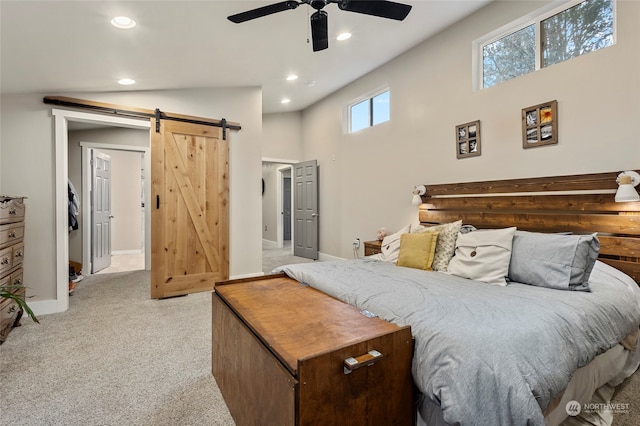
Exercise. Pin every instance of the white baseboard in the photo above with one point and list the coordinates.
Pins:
(117, 252)
(269, 243)
(46, 307)
(328, 258)
(256, 274)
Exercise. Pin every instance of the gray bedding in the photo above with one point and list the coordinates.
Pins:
(487, 355)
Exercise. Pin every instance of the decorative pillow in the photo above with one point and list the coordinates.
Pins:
(390, 247)
(483, 255)
(417, 250)
(446, 246)
(553, 260)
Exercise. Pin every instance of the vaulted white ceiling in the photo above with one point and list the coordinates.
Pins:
(69, 46)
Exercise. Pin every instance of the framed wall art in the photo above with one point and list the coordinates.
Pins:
(468, 139)
(540, 125)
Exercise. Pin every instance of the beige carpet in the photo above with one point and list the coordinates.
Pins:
(273, 257)
(117, 357)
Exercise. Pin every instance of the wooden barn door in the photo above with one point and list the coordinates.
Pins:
(190, 208)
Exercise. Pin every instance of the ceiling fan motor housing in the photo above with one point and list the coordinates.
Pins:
(318, 4)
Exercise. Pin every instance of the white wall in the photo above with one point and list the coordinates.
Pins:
(27, 168)
(368, 183)
(282, 136)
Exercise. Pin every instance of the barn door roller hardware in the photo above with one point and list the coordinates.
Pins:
(140, 113)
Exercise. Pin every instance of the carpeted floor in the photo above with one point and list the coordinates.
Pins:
(117, 357)
(273, 257)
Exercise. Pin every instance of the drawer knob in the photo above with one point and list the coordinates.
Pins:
(12, 309)
(353, 363)
(12, 211)
(19, 254)
(12, 234)
(17, 281)
(4, 261)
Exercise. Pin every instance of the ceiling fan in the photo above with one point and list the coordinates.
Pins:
(319, 19)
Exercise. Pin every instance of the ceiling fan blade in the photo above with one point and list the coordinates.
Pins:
(263, 11)
(383, 9)
(319, 30)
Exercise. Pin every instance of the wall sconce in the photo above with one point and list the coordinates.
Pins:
(418, 191)
(627, 181)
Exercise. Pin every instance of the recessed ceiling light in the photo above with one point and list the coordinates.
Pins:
(292, 77)
(344, 36)
(285, 101)
(126, 81)
(123, 22)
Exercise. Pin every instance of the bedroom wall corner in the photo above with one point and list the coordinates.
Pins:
(368, 184)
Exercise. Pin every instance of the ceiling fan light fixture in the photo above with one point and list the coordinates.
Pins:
(319, 25)
(126, 81)
(123, 22)
(343, 36)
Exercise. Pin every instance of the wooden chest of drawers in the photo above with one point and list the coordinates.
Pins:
(12, 211)
(286, 354)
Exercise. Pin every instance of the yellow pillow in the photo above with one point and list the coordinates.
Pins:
(417, 250)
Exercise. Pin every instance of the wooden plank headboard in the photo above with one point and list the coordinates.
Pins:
(580, 204)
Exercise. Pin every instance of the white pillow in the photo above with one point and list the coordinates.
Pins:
(391, 245)
(483, 255)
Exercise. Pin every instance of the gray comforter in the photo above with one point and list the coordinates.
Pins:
(487, 355)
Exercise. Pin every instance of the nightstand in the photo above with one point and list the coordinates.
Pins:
(372, 247)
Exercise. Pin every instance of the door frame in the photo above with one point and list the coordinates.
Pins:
(87, 147)
(279, 216)
(61, 137)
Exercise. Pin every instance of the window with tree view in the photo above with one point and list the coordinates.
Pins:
(577, 30)
(562, 34)
(511, 56)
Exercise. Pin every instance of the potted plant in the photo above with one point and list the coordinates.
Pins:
(9, 292)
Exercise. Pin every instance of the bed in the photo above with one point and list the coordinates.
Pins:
(517, 352)
(544, 365)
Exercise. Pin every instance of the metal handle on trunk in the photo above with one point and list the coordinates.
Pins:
(353, 363)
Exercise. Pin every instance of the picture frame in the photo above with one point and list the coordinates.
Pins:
(540, 125)
(468, 139)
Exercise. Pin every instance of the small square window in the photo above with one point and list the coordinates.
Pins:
(369, 112)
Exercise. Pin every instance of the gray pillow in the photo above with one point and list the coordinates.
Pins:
(557, 261)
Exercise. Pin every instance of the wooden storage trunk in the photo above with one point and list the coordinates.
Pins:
(279, 352)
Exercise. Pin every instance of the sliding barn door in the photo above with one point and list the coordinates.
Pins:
(190, 208)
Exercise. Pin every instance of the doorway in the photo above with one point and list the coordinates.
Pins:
(62, 120)
(127, 226)
(127, 212)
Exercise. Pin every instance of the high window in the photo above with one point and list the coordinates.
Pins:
(546, 38)
(369, 111)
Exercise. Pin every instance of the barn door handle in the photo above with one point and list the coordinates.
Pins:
(353, 363)
(314, 215)
(157, 201)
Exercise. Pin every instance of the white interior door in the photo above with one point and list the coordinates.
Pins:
(101, 212)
